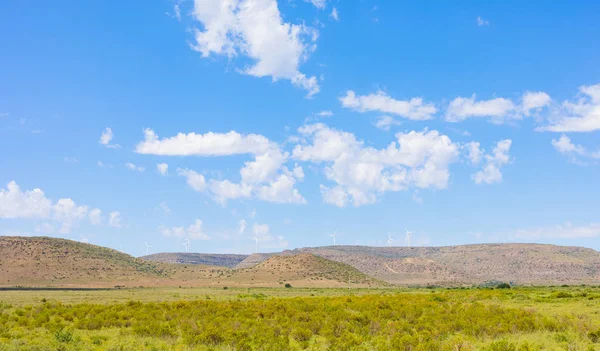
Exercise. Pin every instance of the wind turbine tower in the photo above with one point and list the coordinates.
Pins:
(255, 238)
(187, 249)
(189, 244)
(333, 236)
(148, 248)
(408, 235)
(389, 242)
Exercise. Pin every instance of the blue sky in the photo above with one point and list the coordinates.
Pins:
(465, 122)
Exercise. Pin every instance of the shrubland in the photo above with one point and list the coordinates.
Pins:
(562, 318)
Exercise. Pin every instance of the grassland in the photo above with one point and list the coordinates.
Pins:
(543, 318)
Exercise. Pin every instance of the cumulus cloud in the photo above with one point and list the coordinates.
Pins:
(106, 137)
(482, 22)
(334, 14)
(386, 122)
(493, 162)
(256, 30)
(414, 109)
(497, 110)
(195, 180)
(33, 204)
(209, 144)
(361, 174)
(265, 177)
(534, 101)
(95, 216)
(114, 219)
(162, 168)
(133, 167)
(565, 146)
(242, 226)
(463, 108)
(193, 231)
(582, 115)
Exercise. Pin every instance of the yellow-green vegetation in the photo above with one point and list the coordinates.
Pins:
(552, 318)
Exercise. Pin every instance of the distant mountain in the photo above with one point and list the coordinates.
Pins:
(42, 261)
(254, 259)
(222, 260)
(470, 264)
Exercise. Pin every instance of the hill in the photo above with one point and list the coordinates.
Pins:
(470, 264)
(220, 260)
(303, 270)
(49, 261)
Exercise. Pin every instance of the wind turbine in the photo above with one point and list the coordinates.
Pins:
(148, 247)
(334, 235)
(389, 242)
(187, 249)
(255, 238)
(408, 235)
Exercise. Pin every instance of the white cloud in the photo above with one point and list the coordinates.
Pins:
(33, 204)
(95, 216)
(242, 226)
(325, 113)
(482, 22)
(165, 207)
(195, 180)
(106, 138)
(15, 203)
(499, 109)
(320, 4)
(565, 146)
(209, 144)
(255, 29)
(361, 174)
(563, 231)
(133, 167)
(475, 153)
(162, 168)
(68, 213)
(336, 196)
(176, 12)
(334, 14)
(386, 122)
(114, 219)
(266, 239)
(493, 163)
(194, 231)
(414, 109)
(265, 177)
(582, 115)
(534, 101)
(102, 165)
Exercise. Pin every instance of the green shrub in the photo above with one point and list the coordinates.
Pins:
(288, 285)
(63, 336)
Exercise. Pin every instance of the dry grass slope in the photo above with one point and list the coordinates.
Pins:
(49, 261)
(305, 270)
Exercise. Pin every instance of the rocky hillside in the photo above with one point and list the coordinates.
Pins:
(470, 264)
(220, 260)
